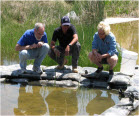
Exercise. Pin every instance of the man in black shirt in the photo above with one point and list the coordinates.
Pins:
(68, 44)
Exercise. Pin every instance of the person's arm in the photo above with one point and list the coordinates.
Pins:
(75, 39)
(105, 55)
(52, 45)
(27, 47)
(112, 46)
(56, 51)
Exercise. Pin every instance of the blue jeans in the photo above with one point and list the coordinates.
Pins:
(38, 54)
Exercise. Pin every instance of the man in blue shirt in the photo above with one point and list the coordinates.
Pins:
(33, 45)
(104, 49)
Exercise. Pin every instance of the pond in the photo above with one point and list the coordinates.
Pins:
(41, 100)
(127, 35)
(18, 99)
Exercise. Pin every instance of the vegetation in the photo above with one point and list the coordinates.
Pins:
(18, 16)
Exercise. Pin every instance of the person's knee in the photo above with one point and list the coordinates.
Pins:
(77, 46)
(23, 54)
(112, 60)
(45, 47)
(91, 57)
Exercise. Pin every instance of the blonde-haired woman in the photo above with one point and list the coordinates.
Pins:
(104, 49)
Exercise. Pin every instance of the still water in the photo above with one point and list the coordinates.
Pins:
(41, 100)
(127, 35)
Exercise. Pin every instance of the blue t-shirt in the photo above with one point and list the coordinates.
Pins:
(28, 38)
(108, 45)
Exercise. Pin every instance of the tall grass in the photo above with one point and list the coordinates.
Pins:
(17, 17)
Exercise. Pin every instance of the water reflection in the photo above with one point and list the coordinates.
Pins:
(97, 105)
(30, 102)
(36, 100)
(62, 102)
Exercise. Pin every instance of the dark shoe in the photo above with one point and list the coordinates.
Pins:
(62, 67)
(111, 72)
(110, 76)
(98, 71)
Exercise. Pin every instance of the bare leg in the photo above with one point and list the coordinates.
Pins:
(93, 59)
(112, 61)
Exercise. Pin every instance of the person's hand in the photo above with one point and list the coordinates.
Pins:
(33, 46)
(98, 56)
(57, 52)
(67, 50)
(39, 44)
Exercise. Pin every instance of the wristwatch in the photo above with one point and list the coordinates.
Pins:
(70, 45)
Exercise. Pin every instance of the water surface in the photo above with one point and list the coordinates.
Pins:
(41, 100)
(127, 35)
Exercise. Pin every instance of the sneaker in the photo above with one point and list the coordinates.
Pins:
(62, 67)
(37, 70)
(75, 70)
(23, 71)
(110, 76)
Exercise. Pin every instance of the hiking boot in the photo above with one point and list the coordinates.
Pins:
(62, 67)
(37, 70)
(75, 70)
(98, 71)
(110, 76)
(23, 71)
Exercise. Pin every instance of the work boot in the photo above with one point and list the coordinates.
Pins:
(61, 67)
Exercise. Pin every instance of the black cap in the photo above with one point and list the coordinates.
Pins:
(65, 20)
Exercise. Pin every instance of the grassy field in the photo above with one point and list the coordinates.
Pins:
(18, 16)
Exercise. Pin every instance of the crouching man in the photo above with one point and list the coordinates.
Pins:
(33, 45)
(68, 44)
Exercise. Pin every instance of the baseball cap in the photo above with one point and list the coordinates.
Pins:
(65, 20)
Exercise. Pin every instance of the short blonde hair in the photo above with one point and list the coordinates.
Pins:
(38, 25)
(104, 26)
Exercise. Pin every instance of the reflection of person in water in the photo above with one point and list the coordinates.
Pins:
(98, 104)
(30, 103)
(62, 102)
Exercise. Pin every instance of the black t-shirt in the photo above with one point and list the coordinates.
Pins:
(64, 39)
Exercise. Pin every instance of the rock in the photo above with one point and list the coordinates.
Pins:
(23, 81)
(123, 108)
(64, 83)
(134, 90)
(119, 79)
(72, 15)
(135, 80)
(2, 79)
